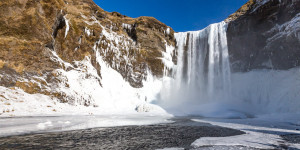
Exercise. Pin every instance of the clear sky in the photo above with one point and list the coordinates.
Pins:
(181, 15)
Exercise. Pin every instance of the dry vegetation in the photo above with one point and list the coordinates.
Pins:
(26, 39)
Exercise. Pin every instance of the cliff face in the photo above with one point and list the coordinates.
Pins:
(265, 34)
(42, 42)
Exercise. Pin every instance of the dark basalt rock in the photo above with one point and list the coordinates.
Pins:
(59, 24)
(265, 36)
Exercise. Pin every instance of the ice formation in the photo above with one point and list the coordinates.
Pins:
(67, 26)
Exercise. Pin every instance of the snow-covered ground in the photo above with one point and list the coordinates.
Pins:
(262, 132)
(24, 125)
(16, 102)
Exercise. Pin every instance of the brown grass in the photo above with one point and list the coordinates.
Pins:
(2, 63)
(28, 87)
(17, 67)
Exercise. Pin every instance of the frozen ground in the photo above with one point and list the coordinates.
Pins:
(16, 103)
(28, 125)
(264, 132)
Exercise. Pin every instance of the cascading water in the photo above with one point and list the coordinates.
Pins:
(203, 69)
(203, 63)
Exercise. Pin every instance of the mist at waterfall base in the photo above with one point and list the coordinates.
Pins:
(203, 84)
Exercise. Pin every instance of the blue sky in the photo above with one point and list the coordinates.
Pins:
(181, 15)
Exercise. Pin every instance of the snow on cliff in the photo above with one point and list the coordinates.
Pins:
(81, 85)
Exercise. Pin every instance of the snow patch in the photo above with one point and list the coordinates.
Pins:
(168, 57)
(43, 126)
(67, 26)
(87, 31)
(259, 3)
(290, 28)
(127, 26)
(168, 31)
(56, 58)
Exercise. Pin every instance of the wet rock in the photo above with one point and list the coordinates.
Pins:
(292, 138)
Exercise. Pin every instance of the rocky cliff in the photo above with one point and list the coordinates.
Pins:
(265, 34)
(48, 45)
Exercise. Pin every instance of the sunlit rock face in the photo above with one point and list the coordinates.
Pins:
(265, 34)
(64, 48)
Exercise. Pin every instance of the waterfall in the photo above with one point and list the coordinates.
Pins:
(203, 70)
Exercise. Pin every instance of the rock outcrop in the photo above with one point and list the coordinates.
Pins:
(265, 34)
(40, 41)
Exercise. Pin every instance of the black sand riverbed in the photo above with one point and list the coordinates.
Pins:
(181, 133)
